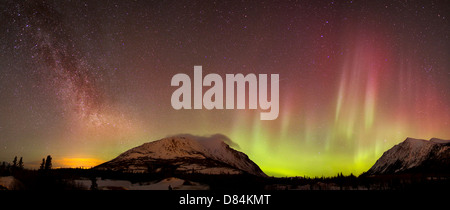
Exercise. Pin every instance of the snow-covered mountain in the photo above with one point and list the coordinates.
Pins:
(184, 154)
(415, 155)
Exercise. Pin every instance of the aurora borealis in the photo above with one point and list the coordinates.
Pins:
(86, 80)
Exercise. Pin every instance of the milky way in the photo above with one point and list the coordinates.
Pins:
(70, 75)
(86, 80)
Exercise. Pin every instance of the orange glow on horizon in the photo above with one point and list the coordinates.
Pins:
(77, 162)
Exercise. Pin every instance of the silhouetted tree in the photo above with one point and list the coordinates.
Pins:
(340, 180)
(41, 167)
(94, 185)
(48, 163)
(3, 169)
(20, 163)
(14, 162)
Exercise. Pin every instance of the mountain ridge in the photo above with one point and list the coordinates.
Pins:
(414, 155)
(185, 154)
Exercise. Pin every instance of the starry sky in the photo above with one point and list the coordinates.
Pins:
(84, 81)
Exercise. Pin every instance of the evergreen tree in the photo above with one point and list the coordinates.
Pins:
(2, 168)
(48, 163)
(94, 185)
(41, 167)
(20, 163)
(14, 162)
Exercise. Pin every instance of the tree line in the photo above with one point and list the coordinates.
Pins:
(18, 164)
(15, 164)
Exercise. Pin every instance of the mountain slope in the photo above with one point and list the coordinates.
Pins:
(415, 156)
(184, 154)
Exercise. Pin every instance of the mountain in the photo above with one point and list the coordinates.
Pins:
(184, 154)
(414, 156)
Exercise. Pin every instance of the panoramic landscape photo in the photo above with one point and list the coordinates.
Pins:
(212, 95)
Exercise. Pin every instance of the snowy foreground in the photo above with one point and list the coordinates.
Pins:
(9, 182)
(109, 184)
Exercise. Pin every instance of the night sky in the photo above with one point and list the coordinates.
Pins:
(84, 81)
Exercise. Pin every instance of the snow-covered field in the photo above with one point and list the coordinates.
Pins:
(109, 184)
(9, 182)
